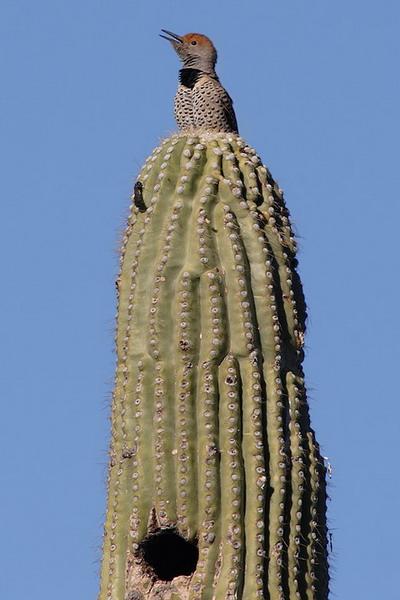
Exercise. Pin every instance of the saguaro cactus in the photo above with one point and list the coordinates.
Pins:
(216, 483)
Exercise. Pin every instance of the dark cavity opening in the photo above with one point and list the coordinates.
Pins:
(169, 555)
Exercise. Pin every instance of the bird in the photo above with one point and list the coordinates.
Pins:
(201, 102)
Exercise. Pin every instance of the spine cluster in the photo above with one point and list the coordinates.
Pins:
(211, 435)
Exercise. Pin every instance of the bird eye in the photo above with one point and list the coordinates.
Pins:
(194, 43)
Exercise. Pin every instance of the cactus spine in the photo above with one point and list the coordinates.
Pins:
(211, 439)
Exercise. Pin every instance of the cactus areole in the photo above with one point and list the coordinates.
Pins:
(216, 485)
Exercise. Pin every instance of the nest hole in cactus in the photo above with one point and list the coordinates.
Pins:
(169, 555)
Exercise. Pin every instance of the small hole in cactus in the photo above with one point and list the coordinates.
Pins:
(169, 555)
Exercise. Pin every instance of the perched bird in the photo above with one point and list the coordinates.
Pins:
(200, 102)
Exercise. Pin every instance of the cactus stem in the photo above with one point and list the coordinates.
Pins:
(212, 454)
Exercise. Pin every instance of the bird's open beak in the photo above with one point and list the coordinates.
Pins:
(173, 38)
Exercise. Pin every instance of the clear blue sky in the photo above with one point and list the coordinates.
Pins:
(86, 92)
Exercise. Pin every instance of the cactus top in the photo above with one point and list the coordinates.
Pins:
(201, 102)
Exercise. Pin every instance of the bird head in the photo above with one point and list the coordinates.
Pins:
(195, 50)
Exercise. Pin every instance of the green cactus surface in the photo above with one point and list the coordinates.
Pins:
(216, 485)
